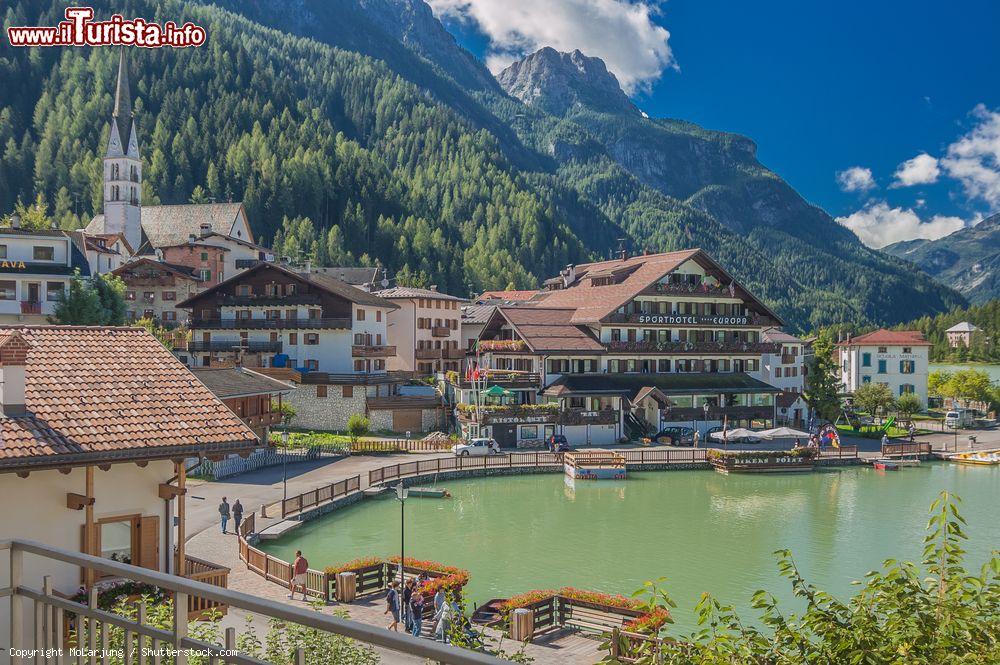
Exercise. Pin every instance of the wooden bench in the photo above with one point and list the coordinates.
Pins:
(589, 619)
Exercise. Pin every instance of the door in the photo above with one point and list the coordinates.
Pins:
(34, 292)
(505, 435)
(408, 420)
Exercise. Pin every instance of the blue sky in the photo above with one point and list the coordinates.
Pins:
(821, 87)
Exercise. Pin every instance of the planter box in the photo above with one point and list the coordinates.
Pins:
(766, 461)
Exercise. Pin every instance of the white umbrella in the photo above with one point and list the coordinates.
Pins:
(734, 434)
(782, 433)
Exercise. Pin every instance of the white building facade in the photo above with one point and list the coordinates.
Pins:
(898, 359)
(36, 267)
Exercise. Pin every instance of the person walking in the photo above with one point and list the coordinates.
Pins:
(392, 606)
(417, 610)
(696, 437)
(224, 513)
(299, 569)
(237, 516)
(912, 430)
(407, 596)
(885, 439)
(442, 614)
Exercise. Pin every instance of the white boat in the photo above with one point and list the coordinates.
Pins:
(983, 457)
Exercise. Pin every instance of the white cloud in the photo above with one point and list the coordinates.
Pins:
(974, 159)
(878, 225)
(856, 179)
(921, 170)
(620, 32)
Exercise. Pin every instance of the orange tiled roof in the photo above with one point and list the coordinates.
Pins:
(509, 296)
(887, 337)
(106, 393)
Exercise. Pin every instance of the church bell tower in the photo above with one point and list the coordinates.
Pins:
(122, 166)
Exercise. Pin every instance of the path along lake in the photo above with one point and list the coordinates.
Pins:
(702, 530)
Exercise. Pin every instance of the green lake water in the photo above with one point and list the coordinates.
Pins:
(992, 370)
(702, 530)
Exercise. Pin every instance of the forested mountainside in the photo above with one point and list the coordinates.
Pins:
(967, 260)
(357, 130)
(985, 343)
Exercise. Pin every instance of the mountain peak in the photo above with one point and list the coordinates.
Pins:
(556, 82)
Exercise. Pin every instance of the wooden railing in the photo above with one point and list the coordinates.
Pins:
(320, 495)
(906, 448)
(399, 446)
(200, 570)
(843, 452)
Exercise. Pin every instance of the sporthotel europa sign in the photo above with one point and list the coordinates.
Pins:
(688, 319)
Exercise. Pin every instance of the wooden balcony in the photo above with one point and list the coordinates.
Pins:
(499, 377)
(269, 324)
(440, 331)
(693, 348)
(456, 353)
(427, 354)
(206, 572)
(372, 351)
(234, 346)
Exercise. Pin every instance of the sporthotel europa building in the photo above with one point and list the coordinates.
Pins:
(621, 348)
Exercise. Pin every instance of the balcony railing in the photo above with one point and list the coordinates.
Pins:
(234, 346)
(508, 414)
(454, 353)
(28, 307)
(269, 324)
(427, 354)
(716, 291)
(372, 351)
(265, 300)
(673, 348)
(360, 378)
(30, 599)
(498, 377)
(440, 331)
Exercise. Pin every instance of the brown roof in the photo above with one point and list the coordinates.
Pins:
(185, 272)
(888, 337)
(229, 382)
(779, 337)
(594, 303)
(109, 394)
(547, 330)
(510, 296)
(785, 400)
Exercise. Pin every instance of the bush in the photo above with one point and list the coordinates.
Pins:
(357, 426)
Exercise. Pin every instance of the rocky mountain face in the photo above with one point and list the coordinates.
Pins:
(556, 82)
(967, 260)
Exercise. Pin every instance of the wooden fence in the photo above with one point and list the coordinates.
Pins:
(906, 448)
(401, 445)
(843, 452)
(209, 573)
(315, 497)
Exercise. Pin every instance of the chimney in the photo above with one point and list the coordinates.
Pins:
(159, 254)
(569, 275)
(434, 287)
(13, 358)
(206, 228)
(15, 221)
(192, 238)
(309, 265)
(622, 252)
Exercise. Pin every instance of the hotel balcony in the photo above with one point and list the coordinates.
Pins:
(440, 331)
(234, 346)
(263, 300)
(508, 414)
(269, 324)
(372, 351)
(428, 354)
(499, 377)
(694, 348)
(455, 353)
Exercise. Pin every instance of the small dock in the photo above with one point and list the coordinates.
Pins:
(595, 465)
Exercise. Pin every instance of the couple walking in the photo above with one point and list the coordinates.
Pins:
(236, 511)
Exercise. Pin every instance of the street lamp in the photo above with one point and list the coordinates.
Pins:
(705, 408)
(401, 493)
(284, 466)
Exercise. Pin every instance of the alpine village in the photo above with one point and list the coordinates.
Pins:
(323, 343)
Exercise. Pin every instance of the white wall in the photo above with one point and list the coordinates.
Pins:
(34, 508)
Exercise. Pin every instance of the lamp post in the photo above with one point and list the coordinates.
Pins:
(401, 494)
(705, 408)
(284, 466)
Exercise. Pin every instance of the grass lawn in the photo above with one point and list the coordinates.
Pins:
(876, 433)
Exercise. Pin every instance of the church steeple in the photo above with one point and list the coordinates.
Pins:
(122, 165)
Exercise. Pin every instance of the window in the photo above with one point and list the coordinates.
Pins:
(311, 338)
(907, 349)
(883, 349)
(378, 315)
(205, 275)
(359, 365)
(243, 289)
(312, 365)
(528, 431)
(148, 296)
(907, 389)
(320, 391)
(116, 538)
(3, 251)
(866, 360)
(8, 289)
(53, 290)
(204, 256)
(43, 253)
(348, 391)
(361, 315)
(293, 339)
(777, 372)
(907, 367)
(169, 316)
(881, 367)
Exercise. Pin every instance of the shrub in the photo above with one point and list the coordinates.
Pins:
(357, 426)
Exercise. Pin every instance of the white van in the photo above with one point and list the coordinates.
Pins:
(958, 418)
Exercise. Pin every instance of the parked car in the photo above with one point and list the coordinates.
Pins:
(557, 443)
(477, 447)
(959, 418)
(677, 436)
(709, 439)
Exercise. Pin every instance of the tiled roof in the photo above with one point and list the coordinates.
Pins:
(888, 337)
(785, 400)
(353, 275)
(413, 292)
(165, 225)
(547, 330)
(477, 314)
(779, 337)
(108, 394)
(509, 296)
(228, 382)
(964, 326)
(185, 272)
(630, 385)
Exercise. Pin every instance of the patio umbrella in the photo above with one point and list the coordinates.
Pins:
(734, 434)
(782, 433)
(497, 391)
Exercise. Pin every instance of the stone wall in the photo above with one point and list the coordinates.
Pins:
(325, 413)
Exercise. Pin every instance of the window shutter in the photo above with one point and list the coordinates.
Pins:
(149, 542)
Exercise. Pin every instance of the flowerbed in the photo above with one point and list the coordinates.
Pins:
(646, 623)
(803, 453)
(354, 564)
(451, 578)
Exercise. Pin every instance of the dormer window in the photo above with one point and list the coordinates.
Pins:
(243, 290)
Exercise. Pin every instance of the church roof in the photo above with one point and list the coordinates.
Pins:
(123, 101)
(167, 225)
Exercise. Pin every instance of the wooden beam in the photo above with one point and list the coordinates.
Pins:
(23, 474)
(168, 491)
(78, 501)
(181, 473)
(88, 524)
(142, 464)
